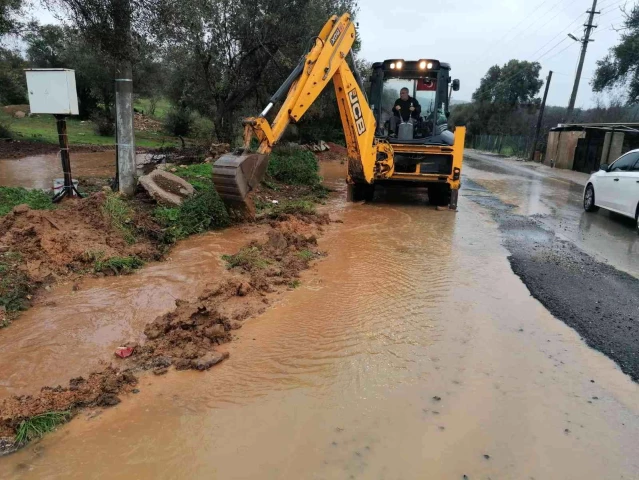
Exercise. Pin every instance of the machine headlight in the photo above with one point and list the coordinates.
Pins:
(430, 65)
(392, 66)
(399, 65)
(422, 64)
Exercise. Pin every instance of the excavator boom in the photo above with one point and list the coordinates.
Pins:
(235, 175)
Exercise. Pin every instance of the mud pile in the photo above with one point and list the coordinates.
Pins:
(59, 242)
(187, 337)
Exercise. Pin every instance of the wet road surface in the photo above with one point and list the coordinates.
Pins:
(553, 253)
(411, 351)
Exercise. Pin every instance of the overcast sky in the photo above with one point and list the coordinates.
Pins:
(472, 35)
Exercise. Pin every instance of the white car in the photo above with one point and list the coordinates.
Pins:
(615, 187)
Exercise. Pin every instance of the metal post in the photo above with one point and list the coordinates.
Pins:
(541, 117)
(584, 46)
(68, 188)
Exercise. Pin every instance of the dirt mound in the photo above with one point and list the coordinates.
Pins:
(69, 239)
(143, 123)
(187, 337)
(98, 390)
(336, 152)
(11, 109)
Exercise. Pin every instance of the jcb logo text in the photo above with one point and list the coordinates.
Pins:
(357, 112)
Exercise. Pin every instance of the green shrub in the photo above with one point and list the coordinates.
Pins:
(294, 166)
(179, 122)
(12, 196)
(104, 124)
(5, 130)
(199, 213)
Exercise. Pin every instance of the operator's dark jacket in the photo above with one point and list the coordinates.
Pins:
(405, 111)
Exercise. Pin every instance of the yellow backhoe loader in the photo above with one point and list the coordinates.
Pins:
(385, 143)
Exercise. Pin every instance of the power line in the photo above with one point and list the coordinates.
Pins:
(528, 17)
(560, 32)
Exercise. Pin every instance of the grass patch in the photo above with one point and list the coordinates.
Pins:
(36, 426)
(12, 196)
(291, 207)
(121, 215)
(162, 107)
(294, 283)
(42, 128)
(306, 255)
(249, 258)
(294, 166)
(15, 286)
(199, 213)
(118, 265)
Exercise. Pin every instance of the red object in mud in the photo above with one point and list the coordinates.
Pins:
(124, 352)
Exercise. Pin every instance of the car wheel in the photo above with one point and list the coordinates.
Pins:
(589, 199)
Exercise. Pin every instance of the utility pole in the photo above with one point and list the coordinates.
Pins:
(125, 137)
(584, 46)
(541, 117)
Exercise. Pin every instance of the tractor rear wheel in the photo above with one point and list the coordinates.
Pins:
(360, 192)
(439, 195)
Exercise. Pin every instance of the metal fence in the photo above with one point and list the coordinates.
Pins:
(508, 145)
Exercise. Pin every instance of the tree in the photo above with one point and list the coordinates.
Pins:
(12, 79)
(54, 46)
(516, 83)
(620, 68)
(505, 102)
(9, 16)
(227, 56)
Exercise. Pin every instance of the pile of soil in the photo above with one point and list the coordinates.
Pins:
(12, 109)
(335, 152)
(60, 242)
(187, 337)
(144, 123)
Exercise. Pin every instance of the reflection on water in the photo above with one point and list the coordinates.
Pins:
(40, 171)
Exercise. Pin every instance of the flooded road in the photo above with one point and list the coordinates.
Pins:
(411, 351)
(39, 171)
(555, 197)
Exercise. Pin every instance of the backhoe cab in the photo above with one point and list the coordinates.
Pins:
(425, 149)
(418, 149)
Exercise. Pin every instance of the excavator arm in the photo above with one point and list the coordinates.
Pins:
(236, 175)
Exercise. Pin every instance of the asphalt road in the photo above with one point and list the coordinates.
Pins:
(581, 266)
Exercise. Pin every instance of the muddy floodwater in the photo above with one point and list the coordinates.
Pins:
(410, 351)
(39, 171)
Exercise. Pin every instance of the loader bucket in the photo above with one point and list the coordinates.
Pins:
(235, 176)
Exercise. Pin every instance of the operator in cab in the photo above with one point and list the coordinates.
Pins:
(406, 109)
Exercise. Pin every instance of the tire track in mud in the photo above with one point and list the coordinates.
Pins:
(600, 302)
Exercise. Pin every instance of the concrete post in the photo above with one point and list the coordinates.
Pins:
(124, 126)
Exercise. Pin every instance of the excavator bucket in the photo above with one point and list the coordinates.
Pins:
(235, 176)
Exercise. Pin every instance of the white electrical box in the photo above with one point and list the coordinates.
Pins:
(52, 90)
